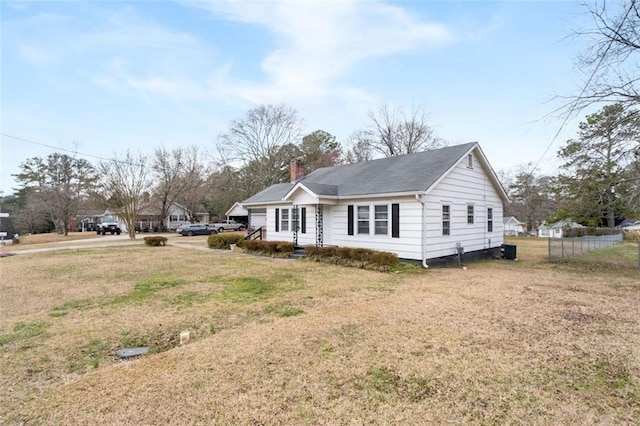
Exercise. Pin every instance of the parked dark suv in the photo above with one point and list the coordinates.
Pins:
(110, 227)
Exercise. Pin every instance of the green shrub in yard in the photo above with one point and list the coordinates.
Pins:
(155, 241)
(224, 241)
(272, 248)
(353, 257)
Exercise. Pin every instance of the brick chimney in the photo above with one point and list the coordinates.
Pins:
(296, 170)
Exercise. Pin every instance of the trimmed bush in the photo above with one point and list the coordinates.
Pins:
(224, 241)
(353, 257)
(155, 241)
(269, 247)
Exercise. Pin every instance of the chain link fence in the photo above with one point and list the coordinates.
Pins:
(564, 248)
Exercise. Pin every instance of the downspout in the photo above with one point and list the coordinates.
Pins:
(423, 231)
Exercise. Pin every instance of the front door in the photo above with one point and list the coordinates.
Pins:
(326, 225)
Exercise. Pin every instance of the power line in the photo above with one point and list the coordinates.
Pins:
(70, 150)
(584, 88)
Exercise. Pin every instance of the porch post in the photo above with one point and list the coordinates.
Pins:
(294, 220)
(319, 236)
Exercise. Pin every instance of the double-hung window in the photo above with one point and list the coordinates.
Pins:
(490, 219)
(363, 219)
(284, 220)
(381, 220)
(470, 214)
(446, 220)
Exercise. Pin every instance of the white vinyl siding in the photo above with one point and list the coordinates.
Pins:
(408, 246)
(271, 224)
(459, 189)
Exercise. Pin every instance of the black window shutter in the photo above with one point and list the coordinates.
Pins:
(303, 225)
(395, 220)
(277, 220)
(350, 220)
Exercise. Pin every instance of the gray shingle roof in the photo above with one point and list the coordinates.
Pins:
(399, 174)
(273, 193)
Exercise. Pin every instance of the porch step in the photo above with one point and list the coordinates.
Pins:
(298, 252)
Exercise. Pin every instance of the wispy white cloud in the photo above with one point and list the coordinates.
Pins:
(37, 56)
(117, 49)
(318, 43)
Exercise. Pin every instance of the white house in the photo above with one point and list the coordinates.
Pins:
(179, 215)
(555, 230)
(424, 206)
(512, 226)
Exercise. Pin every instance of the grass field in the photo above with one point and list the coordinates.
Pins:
(295, 342)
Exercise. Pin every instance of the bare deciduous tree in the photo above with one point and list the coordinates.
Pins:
(394, 132)
(260, 139)
(532, 196)
(360, 148)
(124, 182)
(611, 62)
(34, 214)
(179, 173)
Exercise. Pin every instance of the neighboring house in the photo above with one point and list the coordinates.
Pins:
(512, 226)
(423, 206)
(179, 215)
(88, 220)
(555, 230)
(238, 213)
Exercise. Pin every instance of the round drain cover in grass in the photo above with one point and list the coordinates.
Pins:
(131, 352)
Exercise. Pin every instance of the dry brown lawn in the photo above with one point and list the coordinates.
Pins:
(295, 342)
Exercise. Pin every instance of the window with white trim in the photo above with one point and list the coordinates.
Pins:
(470, 214)
(363, 219)
(381, 217)
(446, 220)
(284, 220)
(470, 161)
(489, 219)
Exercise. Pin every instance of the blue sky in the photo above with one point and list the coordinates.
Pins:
(101, 77)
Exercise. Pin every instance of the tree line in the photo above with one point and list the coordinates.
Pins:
(599, 179)
(252, 154)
